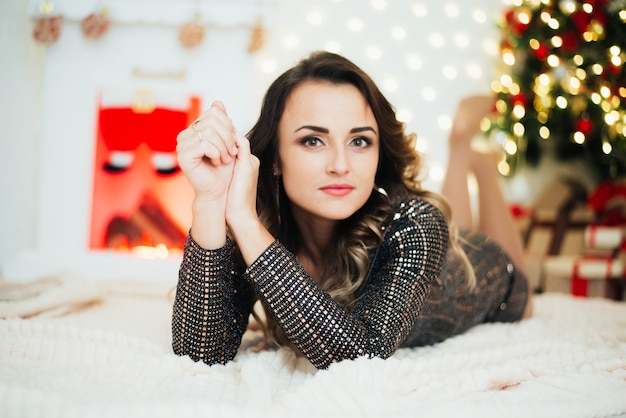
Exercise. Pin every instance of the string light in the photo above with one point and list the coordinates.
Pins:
(567, 6)
(333, 46)
(586, 87)
(451, 10)
(450, 72)
(461, 40)
(374, 52)
(479, 16)
(379, 5)
(413, 61)
(561, 102)
(355, 24)
(335, 27)
(444, 122)
(314, 18)
(399, 33)
(390, 85)
(510, 147)
(436, 39)
(420, 10)
(474, 71)
(579, 137)
(508, 57)
(518, 111)
(268, 66)
(291, 41)
(429, 94)
(404, 115)
(553, 61)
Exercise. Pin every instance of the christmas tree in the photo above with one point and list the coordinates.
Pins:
(562, 88)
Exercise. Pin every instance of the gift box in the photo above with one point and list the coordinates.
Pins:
(603, 240)
(585, 276)
(559, 217)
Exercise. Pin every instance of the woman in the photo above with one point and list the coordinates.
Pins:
(320, 215)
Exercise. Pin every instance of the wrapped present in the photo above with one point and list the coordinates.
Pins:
(608, 200)
(586, 276)
(603, 237)
(603, 241)
(559, 217)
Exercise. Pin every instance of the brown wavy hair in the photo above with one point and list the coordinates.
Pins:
(397, 178)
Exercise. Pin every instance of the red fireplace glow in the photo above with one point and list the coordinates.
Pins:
(140, 199)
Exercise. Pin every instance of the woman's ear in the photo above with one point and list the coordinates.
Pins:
(277, 170)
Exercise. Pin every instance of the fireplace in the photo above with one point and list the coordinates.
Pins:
(140, 198)
(111, 208)
(133, 213)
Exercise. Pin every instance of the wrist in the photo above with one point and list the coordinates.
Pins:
(208, 204)
(241, 225)
(208, 226)
(251, 236)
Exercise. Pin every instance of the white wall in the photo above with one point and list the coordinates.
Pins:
(75, 72)
(21, 74)
(425, 54)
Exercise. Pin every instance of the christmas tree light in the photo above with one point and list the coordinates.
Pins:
(561, 92)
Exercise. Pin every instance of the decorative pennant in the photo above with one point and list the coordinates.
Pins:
(48, 27)
(191, 34)
(95, 25)
(257, 37)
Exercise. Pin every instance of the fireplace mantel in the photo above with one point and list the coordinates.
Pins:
(92, 265)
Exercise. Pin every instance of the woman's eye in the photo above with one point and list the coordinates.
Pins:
(311, 141)
(361, 142)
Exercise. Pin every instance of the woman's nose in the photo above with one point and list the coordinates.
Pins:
(338, 161)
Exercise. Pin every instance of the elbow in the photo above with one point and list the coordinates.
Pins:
(209, 360)
(221, 355)
(379, 351)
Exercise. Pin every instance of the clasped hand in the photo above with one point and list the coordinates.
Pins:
(217, 162)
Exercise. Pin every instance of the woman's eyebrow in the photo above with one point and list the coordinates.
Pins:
(313, 128)
(325, 130)
(362, 129)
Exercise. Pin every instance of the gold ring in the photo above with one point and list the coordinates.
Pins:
(193, 125)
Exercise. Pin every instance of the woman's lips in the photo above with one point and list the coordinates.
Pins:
(337, 189)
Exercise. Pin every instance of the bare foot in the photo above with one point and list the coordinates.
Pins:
(469, 113)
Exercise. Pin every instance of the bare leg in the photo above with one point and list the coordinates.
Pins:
(455, 187)
(495, 218)
(465, 126)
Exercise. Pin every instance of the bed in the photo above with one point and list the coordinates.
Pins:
(71, 347)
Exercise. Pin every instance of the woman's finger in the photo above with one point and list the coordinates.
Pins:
(242, 143)
(195, 151)
(214, 125)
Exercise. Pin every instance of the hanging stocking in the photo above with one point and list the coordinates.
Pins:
(160, 133)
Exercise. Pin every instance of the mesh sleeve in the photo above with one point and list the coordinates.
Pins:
(211, 307)
(326, 332)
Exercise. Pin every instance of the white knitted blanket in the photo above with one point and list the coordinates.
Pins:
(114, 360)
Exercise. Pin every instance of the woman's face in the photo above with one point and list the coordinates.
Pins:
(328, 147)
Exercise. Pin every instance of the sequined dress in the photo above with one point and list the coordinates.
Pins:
(415, 294)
